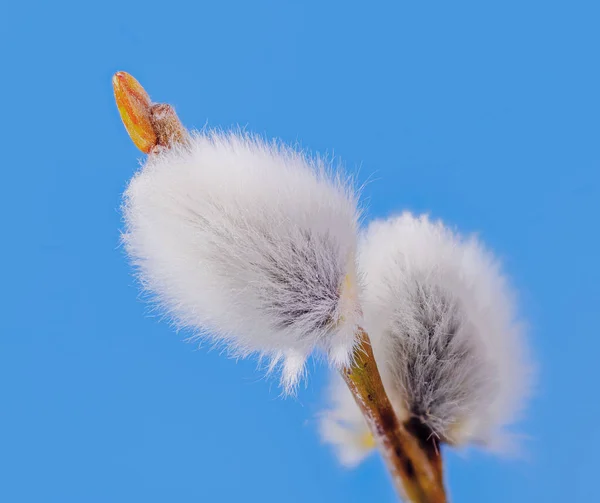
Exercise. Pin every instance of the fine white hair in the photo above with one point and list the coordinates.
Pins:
(343, 425)
(444, 330)
(251, 245)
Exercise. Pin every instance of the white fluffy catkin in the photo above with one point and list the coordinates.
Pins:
(249, 244)
(444, 331)
(343, 425)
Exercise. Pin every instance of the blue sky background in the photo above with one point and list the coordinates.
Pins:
(486, 114)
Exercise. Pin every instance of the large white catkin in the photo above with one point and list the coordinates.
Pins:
(249, 244)
(445, 333)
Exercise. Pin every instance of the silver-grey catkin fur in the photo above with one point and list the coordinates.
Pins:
(442, 371)
(444, 330)
(249, 244)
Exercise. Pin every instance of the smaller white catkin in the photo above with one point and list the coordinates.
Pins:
(343, 425)
(444, 330)
(249, 244)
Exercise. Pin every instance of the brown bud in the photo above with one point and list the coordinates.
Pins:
(134, 105)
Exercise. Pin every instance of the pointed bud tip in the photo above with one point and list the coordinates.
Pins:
(134, 105)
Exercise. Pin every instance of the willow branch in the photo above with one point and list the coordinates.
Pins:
(413, 459)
